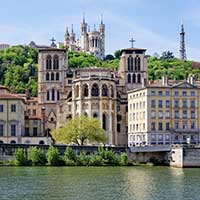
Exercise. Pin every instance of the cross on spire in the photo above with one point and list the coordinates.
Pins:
(53, 42)
(131, 41)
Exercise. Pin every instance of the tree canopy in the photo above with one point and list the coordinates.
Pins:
(80, 130)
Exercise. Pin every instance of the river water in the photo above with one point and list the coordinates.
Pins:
(99, 183)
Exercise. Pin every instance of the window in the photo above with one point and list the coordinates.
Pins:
(153, 114)
(176, 103)
(167, 114)
(167, 126)
(184, 103)
(160, 93)
(57, 76)
(34, 112)
(53, 95)
(153, 103)
(139, 78)
(47, 76)
(160, 128)
(130, 63)
(104, 90)
(184, 114)
(160, 103)
(129, 78)
(192, 114)
(134, 78)
(192, 125)
(13, 108)
(35, 122)
(153, 126)
(118, 127)
(48, 62)
(167, 93)
(184, 93)
(192, 93)
(55, 62)
(176, 93)
(95, 90)
(1, 108)
(176, 125)
(26, 131)
(52, 76)
(1, 129)
(58, 95)
(48, 95)
(13, 130)
(137, 63)
(167, 104)
(176, 114)
(104, 122)
(153, 93)
(192, 104)
(184, 125)
(160, 114)
(34, 131)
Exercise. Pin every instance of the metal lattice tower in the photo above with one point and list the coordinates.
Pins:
(182, 43)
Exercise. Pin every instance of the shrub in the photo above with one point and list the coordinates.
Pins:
(124, 159)
(53, 156)
(70, 157)
(21, 157)
(37, 156)
(83, 159)
(95, 160)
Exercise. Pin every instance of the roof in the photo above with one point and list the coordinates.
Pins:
(3, 87)
(11, 96)
(51, 49)
(131, 50)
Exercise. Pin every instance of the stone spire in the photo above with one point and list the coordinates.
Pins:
(182, 42)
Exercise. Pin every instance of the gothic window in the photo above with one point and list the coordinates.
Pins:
(139, 78)
(58, 95)
(137, 63)
(112, 91)
(52, 76)
(129, 78)
(104, 90)
(48, 95)
(134, 81)
(53, 95)
(48, 62)
(47, 76)
(95, 90)
(55, 62)
(104, 122)
(130, 63)
(77, 91)
(85, 90)
(57, 76)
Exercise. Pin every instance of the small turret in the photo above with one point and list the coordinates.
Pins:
(83, 26)
(102, 26)
(72, 34)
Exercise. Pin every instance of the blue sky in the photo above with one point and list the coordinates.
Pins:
(155, 24)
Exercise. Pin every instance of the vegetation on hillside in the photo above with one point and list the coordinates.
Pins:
(18, 67)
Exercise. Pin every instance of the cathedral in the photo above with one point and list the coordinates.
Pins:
(90, 41)
(95, 92)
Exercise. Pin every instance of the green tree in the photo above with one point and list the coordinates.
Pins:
(21, 157)
(53, 156)
(117, 54)
(37, 156)
(80, 130)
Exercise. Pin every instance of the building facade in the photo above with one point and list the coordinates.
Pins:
(164, 113)
(91, 42)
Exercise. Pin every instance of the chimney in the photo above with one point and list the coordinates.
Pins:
(165, 80)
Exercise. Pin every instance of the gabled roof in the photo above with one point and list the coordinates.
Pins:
(131, 50)
(184, 85)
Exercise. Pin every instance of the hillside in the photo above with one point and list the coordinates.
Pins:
(18, 67)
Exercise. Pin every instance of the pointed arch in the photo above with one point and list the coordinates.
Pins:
(104, 90)
(95, 90)
(47, 76)
(57, 76)
(53, 95)
(134, 78)
(55, 62)
(58, 95)
(95, 115)
(137, 63)
(48, 95)
(52, 76)
(48, 62)
(112, 91)
(85, 90)
(138, 78)
(104, 118)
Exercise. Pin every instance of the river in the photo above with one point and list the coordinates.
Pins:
(99, 183)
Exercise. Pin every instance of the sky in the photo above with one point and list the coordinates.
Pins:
(154, 24)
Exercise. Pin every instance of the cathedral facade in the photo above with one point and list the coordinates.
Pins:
(91, 42)
(95, 92)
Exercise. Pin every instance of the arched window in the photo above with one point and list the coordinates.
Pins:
(129, 78)
(53, 95)
(104, 90)
(130, 63)
(41, 142)
(137, 63)
(57, 76)
(52, 76)
(48, 95)
(48, 62)
(111, 91)
(85, 90)
(77, 91)
(139, 78)
(55, 62)
(95, 90)
(58, 95)
(95, 115)
(47, 76)
(104, 122)
(134, 81)
(85, 114)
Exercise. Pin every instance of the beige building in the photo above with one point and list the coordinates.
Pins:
(164, 112)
